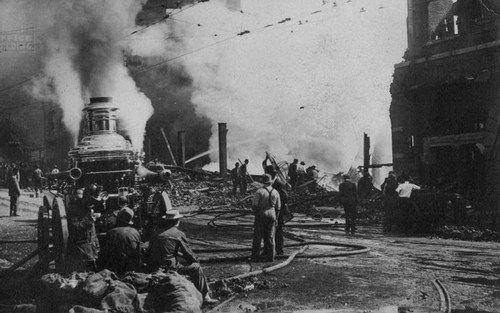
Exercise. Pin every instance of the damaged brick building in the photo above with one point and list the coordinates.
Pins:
(445, 109)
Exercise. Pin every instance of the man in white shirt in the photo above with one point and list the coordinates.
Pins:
(404, 191)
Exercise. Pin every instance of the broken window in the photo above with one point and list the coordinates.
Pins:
(442, 21)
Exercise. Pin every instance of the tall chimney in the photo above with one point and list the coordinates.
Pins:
(223, 150)
(366, 153)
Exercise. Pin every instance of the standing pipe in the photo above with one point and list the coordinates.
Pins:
(168, 146)
(181, 138)
(223, 150)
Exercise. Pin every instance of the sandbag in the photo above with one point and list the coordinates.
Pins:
(122, 297)
(175, 293)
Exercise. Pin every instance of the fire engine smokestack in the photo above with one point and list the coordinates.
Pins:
(102, 142)
(223, 150)
(181, 138)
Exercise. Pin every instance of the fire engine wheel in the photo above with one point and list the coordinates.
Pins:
(53, 232)
(59, 232)
(44, 235)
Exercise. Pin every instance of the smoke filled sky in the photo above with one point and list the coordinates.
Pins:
(81, 57)
(305, 81)
(295, 78)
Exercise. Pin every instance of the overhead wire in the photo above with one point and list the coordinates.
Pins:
(161, 63)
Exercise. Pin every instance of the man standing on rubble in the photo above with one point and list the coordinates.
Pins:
(235, 177)
(122, 251)
(312, 177)
(164, 247)
(348, 199)
(292, 173)
(301, 173)
(243, 177)
(266, 206)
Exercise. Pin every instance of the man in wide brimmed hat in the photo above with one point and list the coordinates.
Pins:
(266, 207)
(164, 247)
(122, 250)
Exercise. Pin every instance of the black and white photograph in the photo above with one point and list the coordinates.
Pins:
(208, 156)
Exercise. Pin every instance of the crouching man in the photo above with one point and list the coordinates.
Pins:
(122, 251)
(164, 247)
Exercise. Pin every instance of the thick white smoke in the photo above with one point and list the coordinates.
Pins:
(306, 82)
(83, 58)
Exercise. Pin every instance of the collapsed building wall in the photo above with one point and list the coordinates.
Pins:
(446, 98)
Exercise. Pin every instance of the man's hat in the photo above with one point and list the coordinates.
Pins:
(125, 216)
(172, 215)
(267, 179)
(93, 191)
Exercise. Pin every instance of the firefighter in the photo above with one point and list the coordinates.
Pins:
(243, 177)
(266, 207)
(165, 245)
(14, 191)
(235, 177)
(83, 245)
(348, 199)
(122, 251)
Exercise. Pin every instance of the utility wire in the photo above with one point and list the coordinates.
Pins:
(18, 84)
(148, 68)
(278, 25)
(162, 19)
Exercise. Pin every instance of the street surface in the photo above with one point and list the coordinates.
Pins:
(397, 275)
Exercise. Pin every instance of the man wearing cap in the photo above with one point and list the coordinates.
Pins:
(83, 245)
(14, 191)
(390, 197)
(235, 177)
(348, 199)
(164, 247)
(122, 251)
(266, 206)
(243, 176)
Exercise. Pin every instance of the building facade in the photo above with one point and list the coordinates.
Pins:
(445, 109)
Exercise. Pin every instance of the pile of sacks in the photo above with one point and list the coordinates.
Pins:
(103, 292)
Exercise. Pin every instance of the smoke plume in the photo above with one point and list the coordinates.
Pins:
(296, 78)
(82, 57)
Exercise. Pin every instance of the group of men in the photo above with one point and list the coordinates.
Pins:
(123, 249)
(397, 203)
(396, 197)
(299, 174)
(239, 175)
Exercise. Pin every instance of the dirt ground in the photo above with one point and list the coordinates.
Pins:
(398, 274)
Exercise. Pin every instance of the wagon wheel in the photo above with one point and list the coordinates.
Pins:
(59, 233)
(44, 235)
